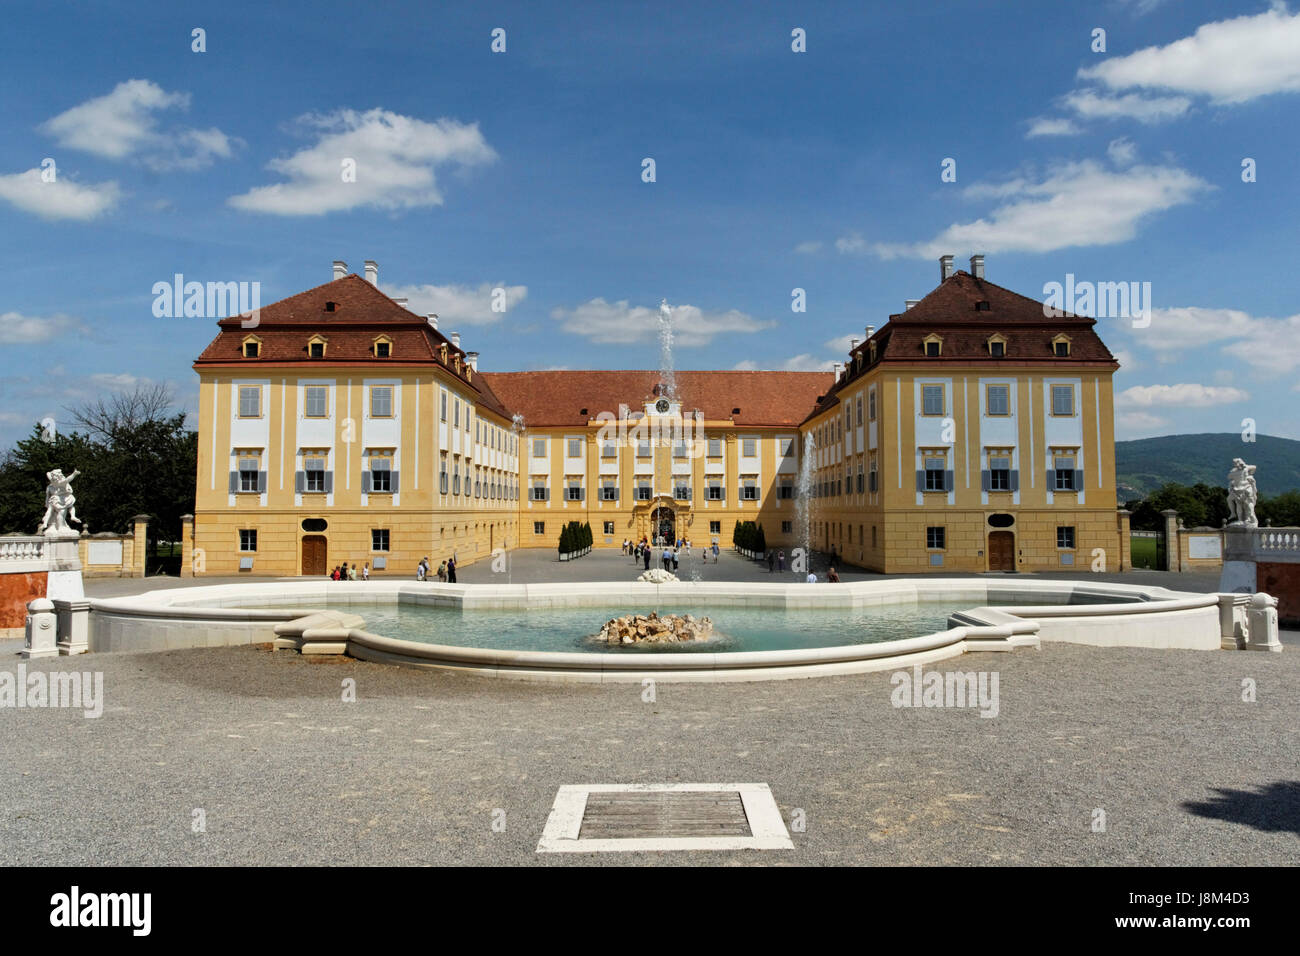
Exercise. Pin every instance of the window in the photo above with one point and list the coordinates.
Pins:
(1062, 399)
(786, 447)
(455, 413)
(316, 349)
(1064, 467)
(859, 410)
(642, 490)
(934, 538)
(785, 489)
(787, 527)
(575, 447)
(539, 527)
(749, 447)
(861, 478)
(934, 474)
(443, 409)
(749, 489)
(932, 400)
(872, 475)
(317, 401)
(247, 539)
(252, 346)
(381, 401)
(715, 447)
(250, 401)
(871, 404)
(997, 346)
(539, 491)
(609, 450)
(313, 474)
(609, 491)
(1065, 536)
(933, 346)
(682, 492)
(1061, 346)
(573, 492)
(715, 489)
(715, 527)
(248, 474)
(999, 400)
(999, 474)
(378, 539)
(381, 475)
(539, 447)
(643, 448)
(609, 527)
(442, 475)
(382, 347)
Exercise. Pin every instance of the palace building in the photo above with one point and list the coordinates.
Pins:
(968, 433)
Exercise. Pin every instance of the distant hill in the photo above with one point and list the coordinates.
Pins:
(1143, 465)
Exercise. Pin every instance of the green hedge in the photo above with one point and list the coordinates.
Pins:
(575, 536)
(749, 536)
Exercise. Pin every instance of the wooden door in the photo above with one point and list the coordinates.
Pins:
(1002, 551)
(314, 555)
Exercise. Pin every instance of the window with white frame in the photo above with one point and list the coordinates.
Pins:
(249, 466)
(317, 401)
(934, 473)
(749, 488)
(1063, 400)
(313, 466)
(250, 401)
(932, 400)
(247, 539)
(749, 447)
(999, 400)
(642, 489)
(381, 474)
(715, 447)
(381, 401)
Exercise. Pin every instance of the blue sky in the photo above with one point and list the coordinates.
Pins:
(774, 170)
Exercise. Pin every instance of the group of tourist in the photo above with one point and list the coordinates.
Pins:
(446, 570)
(345, 573)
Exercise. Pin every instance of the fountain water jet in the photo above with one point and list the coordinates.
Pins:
(803, 502)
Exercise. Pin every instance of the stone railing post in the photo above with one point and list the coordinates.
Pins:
(139, 551)
(187, 546)
(41, 638)
(1125, 539)
(1173, 558)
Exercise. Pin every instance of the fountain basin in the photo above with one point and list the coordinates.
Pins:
(986, 614)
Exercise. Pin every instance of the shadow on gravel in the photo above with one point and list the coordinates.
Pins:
(1275, 808)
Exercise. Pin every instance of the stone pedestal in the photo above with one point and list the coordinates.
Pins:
(73, 626)
(41, 636)
(1261, 631)
(1239, 571)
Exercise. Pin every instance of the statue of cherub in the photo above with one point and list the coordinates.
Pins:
(60, 503)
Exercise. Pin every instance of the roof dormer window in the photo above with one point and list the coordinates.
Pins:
(933, 345)
(251, 346)
(1061, 346)
(316, 347)
(997, 345)
(331, 306)
(381, 347)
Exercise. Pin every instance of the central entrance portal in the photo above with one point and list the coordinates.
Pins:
(663, 523)
(314, 555)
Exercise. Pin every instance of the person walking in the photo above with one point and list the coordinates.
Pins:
(667, 557)
(832, 576)
(420, 569)
(780, 560)
(352, 572)
(715, 550)
(674, 559)
(442, 571)
(365, 572)
(645, 556)
(812, 578)
(771, 562)
(451, 570)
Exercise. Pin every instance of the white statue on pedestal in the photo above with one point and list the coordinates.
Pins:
(60, 504)
(1242, 494)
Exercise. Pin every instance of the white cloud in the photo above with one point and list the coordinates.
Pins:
(1270, 345)
(1122, 151)
(803, 362)
(395, 157)
(807, 248)
(461, 304)
(123, 124)
(118, 381)
(842, 344)
(1076, 204)
(851, 244)
(1145, 109)
(621, 323)
(17, 329)
(62, 199)
(1052, 126)
(1230, 61)
(1139, 424)
(1127, 361)
(1186, 395)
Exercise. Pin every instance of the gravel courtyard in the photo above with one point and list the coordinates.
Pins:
(418, 768)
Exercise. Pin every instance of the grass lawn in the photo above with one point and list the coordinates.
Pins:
(1144, 552)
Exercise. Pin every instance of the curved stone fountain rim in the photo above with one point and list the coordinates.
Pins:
(986, 627)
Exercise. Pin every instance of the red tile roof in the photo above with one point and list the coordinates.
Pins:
(777, 399)
(360, 313)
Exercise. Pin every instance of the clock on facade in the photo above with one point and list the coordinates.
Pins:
(662, 406)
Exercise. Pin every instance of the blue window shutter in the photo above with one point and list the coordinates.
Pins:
(234, 482)
(986, 480)
(1051, 479)
(365, 482)
(920, 479)
(1015, 479)
(261, 482)
(299, 481)
(1078, 480)
(947, 481)
(392, 481)
(329, 482)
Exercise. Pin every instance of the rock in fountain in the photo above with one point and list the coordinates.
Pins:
(657, 576)
(653, 629)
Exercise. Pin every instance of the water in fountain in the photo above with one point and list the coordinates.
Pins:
(667, 377)
(803, 501)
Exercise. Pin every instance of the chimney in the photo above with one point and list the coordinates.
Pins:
(853, 343)
(433, 320)
(401, 302)
(835, 369)
(977, 266)
(372, 272)
(871, 330)
(340, 268)
(472, 358)
(455, 339)
(945, 268)
(908, 303)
